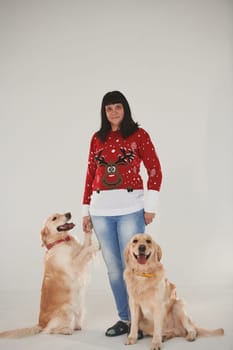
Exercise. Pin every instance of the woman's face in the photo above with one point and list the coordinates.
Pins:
(115, 115)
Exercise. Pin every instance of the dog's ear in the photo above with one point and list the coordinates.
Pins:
(44, 234)
(126, 253)
(159, 252)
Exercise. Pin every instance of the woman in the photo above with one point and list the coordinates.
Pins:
(114, 203)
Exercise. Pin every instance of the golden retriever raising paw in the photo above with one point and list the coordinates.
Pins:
(154, 306)
(65, 277)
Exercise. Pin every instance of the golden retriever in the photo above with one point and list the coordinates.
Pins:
(154, 306)
(65, 276)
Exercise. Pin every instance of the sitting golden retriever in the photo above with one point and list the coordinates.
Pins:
(154, 306)
(65, 276)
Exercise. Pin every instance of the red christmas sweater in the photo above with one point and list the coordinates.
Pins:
(115, 163)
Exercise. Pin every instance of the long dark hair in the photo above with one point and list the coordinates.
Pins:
(128, 125)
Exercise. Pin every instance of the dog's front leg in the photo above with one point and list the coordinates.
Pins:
(157, 333)
(134, 309)
(87, 239)
(85, 255)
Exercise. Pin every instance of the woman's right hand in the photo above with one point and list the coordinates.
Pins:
(87, 224)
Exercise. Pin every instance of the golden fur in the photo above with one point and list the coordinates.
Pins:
(154, 305)
(65, 276)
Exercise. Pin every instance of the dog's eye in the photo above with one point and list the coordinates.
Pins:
(148, 241)
(135, 241)
(54, 218)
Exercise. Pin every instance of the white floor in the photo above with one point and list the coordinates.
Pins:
(210, 308)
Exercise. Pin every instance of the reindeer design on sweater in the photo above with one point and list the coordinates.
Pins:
(112, 176)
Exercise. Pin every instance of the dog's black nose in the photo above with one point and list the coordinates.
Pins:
(68, 215)
(142, 248)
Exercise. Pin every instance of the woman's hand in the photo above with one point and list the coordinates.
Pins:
(148, 217)
(87, 224)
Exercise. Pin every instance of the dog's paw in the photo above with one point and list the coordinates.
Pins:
(192, 335)
(64, 330)
(156, 342)
(67, 331)
(156, 346)
(167, 336)
(130, 341)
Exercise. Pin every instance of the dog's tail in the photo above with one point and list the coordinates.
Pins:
(22, 332)
(202, 332)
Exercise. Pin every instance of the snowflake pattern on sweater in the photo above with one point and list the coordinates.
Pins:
(115, 163)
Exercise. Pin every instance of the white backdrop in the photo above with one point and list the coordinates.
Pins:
(173, 61)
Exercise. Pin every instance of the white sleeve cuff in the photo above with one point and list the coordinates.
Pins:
(85, 210)
(151, 201)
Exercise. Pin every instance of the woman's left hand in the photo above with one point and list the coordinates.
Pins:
(148, 217)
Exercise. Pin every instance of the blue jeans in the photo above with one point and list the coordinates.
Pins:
(113, 234)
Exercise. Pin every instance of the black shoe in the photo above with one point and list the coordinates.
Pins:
(118, 328)
(140, 334)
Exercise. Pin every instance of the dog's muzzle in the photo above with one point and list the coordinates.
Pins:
(142, 257)
(66, 227)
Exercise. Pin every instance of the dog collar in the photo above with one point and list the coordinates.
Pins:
(51, 245)
(145, 274)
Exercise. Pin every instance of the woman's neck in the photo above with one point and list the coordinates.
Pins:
(115, 128)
